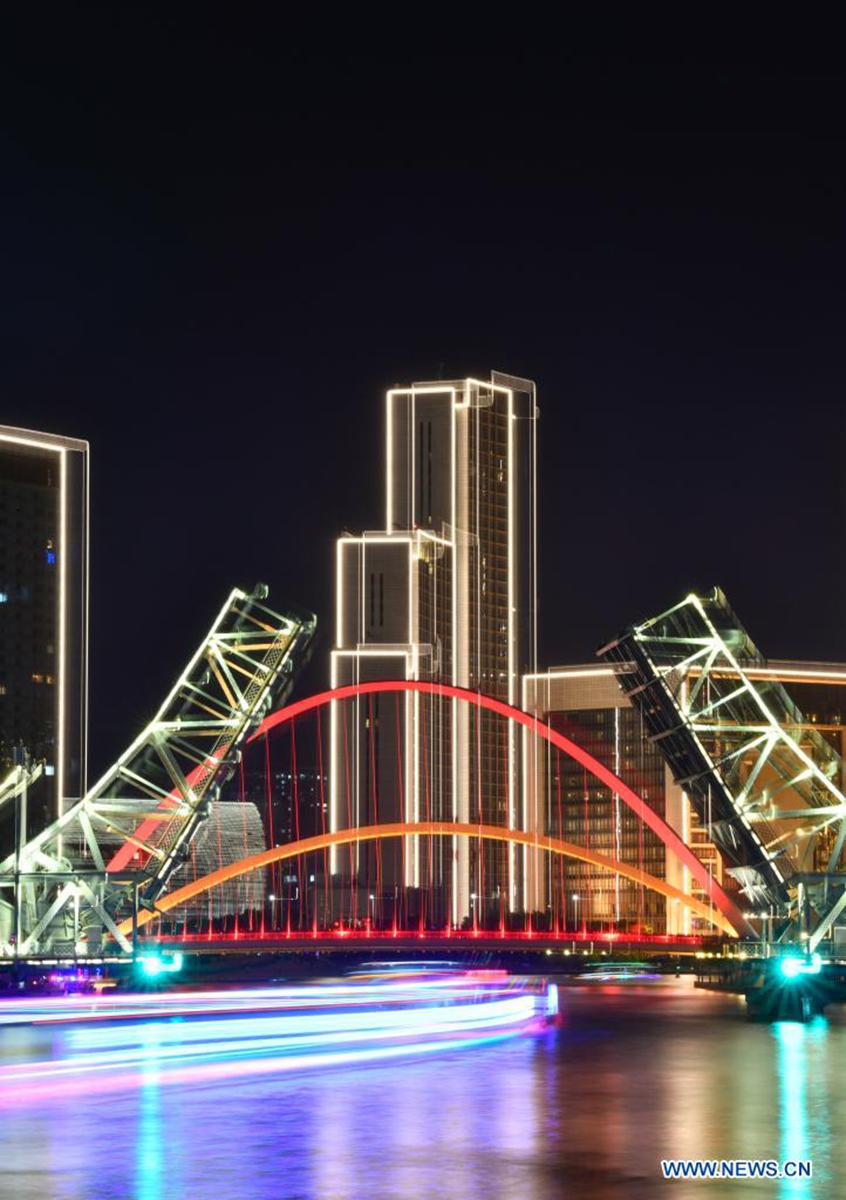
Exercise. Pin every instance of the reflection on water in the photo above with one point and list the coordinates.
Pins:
(151, 1143)
(793, 1047)
(635, 1074)
(802, 1051)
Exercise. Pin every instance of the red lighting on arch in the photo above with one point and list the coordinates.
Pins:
(715, 894)
(657, 824)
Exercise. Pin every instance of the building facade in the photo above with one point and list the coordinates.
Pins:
(44, 612)
(585, 703)
(446, 591)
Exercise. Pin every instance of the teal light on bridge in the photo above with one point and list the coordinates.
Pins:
(154, 965)
(793, 966)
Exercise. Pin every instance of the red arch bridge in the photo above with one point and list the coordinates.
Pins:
(377, 828)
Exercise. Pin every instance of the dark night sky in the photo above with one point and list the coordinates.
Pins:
(218, 249)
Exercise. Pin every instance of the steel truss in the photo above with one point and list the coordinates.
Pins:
(18, 780)
(766, 785)
(69, 887)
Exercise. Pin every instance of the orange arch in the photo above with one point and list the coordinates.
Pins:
(370, 833)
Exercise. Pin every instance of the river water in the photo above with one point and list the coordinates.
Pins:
(635, 1073)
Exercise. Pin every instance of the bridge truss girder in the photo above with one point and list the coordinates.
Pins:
(70, 885)
(767, 787)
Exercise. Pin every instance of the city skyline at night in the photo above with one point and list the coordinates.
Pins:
(656, 279)
(422, 650)
(413, 611)
(480, 514)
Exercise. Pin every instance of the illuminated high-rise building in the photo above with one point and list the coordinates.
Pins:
(446, 591)
(44, 612)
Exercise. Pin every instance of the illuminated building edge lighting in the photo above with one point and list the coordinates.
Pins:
(61, 446)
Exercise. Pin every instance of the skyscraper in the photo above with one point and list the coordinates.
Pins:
(44, 610)
(446, 591)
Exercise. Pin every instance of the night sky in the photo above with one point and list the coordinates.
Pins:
(220, 246)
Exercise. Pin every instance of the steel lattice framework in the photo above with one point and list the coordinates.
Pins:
(766, 785)
(123, 841)
(18, 780)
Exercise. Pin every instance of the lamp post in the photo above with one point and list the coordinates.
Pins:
(576, 910)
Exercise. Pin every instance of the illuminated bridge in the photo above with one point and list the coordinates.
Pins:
(305, 895)
(219, 823)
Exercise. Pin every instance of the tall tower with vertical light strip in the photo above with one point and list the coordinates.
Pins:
(446, 591)
(44, 611)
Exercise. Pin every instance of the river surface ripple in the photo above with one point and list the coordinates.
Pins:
(635, 1073)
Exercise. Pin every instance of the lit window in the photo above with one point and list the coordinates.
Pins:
(4, 597)
(37, 678)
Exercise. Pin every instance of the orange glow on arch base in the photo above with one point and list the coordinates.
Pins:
(371, 833)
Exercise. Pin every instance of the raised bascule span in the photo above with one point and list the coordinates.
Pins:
(19, 779)
(68, 888)
(766, 785)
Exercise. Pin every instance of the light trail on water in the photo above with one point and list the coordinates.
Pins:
(111, 1043)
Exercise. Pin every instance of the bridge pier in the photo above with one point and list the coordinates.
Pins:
(784, 988)
(778, 1000)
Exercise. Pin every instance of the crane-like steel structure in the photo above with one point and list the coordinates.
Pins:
(63, 891)
(766, 785)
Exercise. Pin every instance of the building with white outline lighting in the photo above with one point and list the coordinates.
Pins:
(445, 592)
(44, 611)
